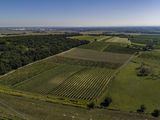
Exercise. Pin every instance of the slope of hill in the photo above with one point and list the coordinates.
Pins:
(84, 77)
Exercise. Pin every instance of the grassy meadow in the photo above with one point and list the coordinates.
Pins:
(130, 91)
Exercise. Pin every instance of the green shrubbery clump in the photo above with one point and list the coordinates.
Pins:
(143, 70)
(106, 102)
(141, 109)
(91, 105)
(156, 113)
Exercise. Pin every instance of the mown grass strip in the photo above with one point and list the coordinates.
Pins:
(51, 99)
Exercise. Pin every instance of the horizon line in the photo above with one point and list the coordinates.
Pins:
(81, 26)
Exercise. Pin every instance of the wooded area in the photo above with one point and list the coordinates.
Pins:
(18, 51)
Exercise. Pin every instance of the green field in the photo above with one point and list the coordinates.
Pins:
(153, 40)
(130, 91)
(106, 67)
(119, 40)
(24, 73)
(115, 45)
(99, 46)
(66, 74)
(91, 38)
(87, 84)
(82, 62)
(92, 55)
(48, 77)
(46, 81)
(120, 48)
(2, 35)
(97, 42)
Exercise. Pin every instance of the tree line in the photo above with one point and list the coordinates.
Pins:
(18, 51)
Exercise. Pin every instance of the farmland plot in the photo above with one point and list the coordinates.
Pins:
(92, 55)
(85, 85)
(91, 38)
(88, 63)
(119, 40)
(47, 80)
(120, 48)
(99, 46)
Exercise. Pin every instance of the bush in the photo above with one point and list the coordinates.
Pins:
(143, 70)
(91, 105)
(142, 109)
(106, 102)
(156, 113)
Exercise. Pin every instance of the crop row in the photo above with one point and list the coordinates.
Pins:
(86, 85)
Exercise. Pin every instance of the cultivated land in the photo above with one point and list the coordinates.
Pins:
(85, 85)
(120, 48)
(85, 76)
(93, 55)
(67, 81)
(91, 38)
(119, 40)
(137, 90)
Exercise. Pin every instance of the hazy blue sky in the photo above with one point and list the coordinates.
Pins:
(79, 12)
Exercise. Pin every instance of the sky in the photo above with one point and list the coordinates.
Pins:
(19, 13)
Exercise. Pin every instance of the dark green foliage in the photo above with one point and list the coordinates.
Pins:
(106, 102)
(151, 41)
(91, 105)
(153, 55)
(20, 50)
(143, 70)
(142, 109)
(115, 35)
(3, 69)
(156, 113)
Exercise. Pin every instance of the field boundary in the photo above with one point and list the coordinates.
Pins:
(103, 95)
(48, 98)
(33, 63)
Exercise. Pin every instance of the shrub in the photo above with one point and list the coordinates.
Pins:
(143, 70)
(156, 113)
(106, 102)
(91, 105)
(142, 109)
